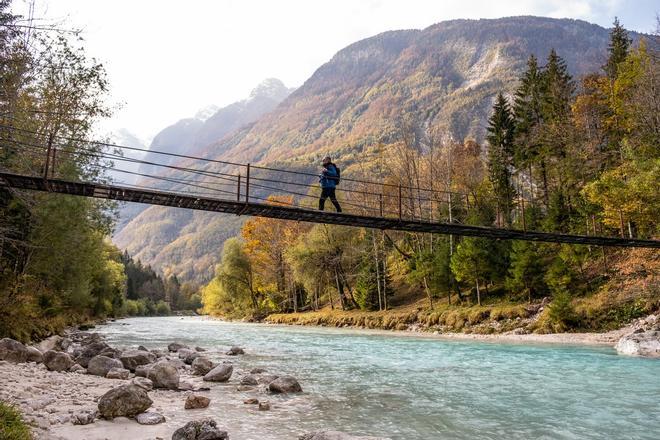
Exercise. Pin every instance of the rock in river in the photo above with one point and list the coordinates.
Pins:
(134, 358)
(176, 346)
(235, 350)
(640, 344)
(124, 401)
(164, 375)
(221, 373)
(201, 365)
(195, 401)
(205, 429)
(101, 365)
(57, 361)
(285, 384)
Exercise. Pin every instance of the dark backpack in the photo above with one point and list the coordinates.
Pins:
(338, 178)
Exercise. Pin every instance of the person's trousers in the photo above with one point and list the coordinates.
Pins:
(325, 193)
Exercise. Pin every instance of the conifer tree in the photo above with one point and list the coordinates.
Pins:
(618, 49)
(500, 138)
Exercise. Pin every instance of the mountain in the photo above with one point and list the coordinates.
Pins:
(446, 75)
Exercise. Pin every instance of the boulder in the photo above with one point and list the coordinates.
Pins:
(13, 351)
(335, 435)
(143, 370)
(118, 373)
(124, 401)
(221, 373)
(143, 382)
(257, 370)
(142, 348)
(201, 366)
(57, 360)
(100, 365)
(250, 379)
(177, 363)
(50, 343)
(642, 343)
(149, 418)
(134, 358)
(200, 349)
(265, 379)
(284, 385)
(185, 352)
(251, 401)
(264, 406)
(111, 353)
(34, 355)
(196, 401)
(164, 375)
(84, 417)
(191, 357)
(176, 346)
(235, 350)
(204, 429)
(76, 368)
(89, 351)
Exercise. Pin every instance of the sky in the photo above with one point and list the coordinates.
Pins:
(168, 59)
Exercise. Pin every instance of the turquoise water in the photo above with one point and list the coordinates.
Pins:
(420, 388)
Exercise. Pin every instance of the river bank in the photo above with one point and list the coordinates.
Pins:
(398, 385)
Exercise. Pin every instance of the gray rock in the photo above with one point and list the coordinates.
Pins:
(185, 352)
(235, 350)
(265, 379)
(124, 401)
(84, 417)
(221, 373)
(76, 368)
(143, 370)
(164, 375)
(196, 401)
(249, 380)
(100, 365)
(50, 343)
(142, 348)
(57, 360)
(257, 370)
(13, 351)
(335, 435)
(89, 351)
(264, 406)
(284, 385)
(186, 386)
(111, 353)
(191, 357)
(645, 343)
(201, 366)
(177, 363)
(34, 355)
(200, 349)
(143, 382)
(205, 429)
(134, 358)
(176, 346)
(149, 418)
(118, 373)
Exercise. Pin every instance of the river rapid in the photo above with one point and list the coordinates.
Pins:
(421, 388)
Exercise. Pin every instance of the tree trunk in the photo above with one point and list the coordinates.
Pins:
(478, 292)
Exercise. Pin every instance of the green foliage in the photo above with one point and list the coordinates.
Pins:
(527, 269)
(162, 309)
(618, 48)
(500, 139)
(561, 312)
(366, 288)
(12, 426)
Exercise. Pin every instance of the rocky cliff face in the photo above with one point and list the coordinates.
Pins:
(446, 75)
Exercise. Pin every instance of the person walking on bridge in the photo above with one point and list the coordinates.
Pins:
(329, 180)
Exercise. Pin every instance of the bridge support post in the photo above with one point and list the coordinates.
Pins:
(400, 206)
(238, 189)
(247, 185)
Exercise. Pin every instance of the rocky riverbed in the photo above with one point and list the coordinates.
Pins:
(79, 387)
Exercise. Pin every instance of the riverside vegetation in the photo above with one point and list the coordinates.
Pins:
(582, 152)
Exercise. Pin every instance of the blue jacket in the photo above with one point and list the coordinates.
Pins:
(328, 177)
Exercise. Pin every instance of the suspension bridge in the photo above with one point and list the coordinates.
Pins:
(198, 183)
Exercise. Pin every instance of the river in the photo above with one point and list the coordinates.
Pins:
(421, 388)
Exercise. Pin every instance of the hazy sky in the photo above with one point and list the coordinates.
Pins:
(167, 59)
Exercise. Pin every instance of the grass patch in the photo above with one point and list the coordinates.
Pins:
(12, 426)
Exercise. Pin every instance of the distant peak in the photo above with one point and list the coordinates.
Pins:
(204, 113)
(270, 88)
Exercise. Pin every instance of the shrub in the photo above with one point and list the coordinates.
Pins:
(131, 308)
(12, 426)
(162, 308)
(561, 312)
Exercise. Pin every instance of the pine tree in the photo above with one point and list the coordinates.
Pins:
(527, 113)
(558, 89)
(500, 138)
(618, 49)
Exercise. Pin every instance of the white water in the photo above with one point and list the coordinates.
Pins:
(419, 388)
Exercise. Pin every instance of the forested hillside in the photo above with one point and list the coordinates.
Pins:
(581, 151)
(57, 264)
(353, 107)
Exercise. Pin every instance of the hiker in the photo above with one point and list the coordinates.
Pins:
(329, 179)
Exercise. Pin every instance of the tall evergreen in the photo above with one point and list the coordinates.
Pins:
(618, 49)
(500, 139)
(558, 88)
(527, 112)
